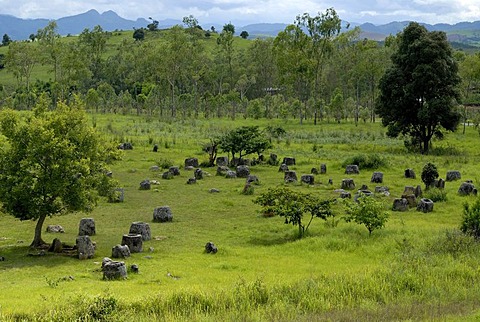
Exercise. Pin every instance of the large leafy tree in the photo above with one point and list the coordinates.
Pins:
(418, 92)
(53, 163)
(244, 140)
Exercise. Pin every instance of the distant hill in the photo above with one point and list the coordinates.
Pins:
(19, 29)
(464, 33)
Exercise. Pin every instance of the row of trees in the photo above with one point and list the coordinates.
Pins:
(311, 70)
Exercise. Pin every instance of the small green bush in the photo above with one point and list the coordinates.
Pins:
(429, 174)
(471, 219)
(436, 194)
(165, 163)
(371, 161)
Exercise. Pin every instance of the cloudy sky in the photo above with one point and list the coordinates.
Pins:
(249, 11)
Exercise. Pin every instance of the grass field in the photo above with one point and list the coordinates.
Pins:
(416, 268)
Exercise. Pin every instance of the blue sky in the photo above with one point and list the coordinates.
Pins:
(242, 12)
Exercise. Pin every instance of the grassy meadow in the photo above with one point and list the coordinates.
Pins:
(418, 267)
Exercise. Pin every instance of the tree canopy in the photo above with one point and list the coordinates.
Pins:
(418, 92)
(53, 163)
(244, 140)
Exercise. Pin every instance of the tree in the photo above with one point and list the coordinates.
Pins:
(418, 92)
(21, 58)
(139, 34)
(244, 34)
(292, 205)
(429, 174)
(6, 40)
(244, 140)
(229, 27)
(54, 163)
(366, 211)
(153, 26)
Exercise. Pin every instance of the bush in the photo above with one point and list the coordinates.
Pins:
(429, 174)
(165, 163)
(371, 161)
(471, 219)
(436, 195)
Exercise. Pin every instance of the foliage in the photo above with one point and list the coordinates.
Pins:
(292, 205)
(429, 174)
(419, 92)
(54, 163)
(244, 140)
(6, 40)
(366, 161)
(471, 219)
(366, 211)
(244, 34)
(139, 34)
(436, 194)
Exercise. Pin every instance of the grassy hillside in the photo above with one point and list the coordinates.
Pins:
(417, 268)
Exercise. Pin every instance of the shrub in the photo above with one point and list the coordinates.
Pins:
(371, 161)
(471, 219)
(366, 211)
(429, 174)
(436, 194)
(165, 163)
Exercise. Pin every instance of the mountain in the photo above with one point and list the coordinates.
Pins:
(465, 33)
(19, 29)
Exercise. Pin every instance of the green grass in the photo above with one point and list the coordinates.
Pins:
(416, 268)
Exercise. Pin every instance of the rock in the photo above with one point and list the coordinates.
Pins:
(174, 170)
(308, 179)
(364, 187)
(189, 168)
(453, 175)
(105, 261)
(109, 174)
(222, 161)
(408, 190)
(352, 169)
(86, 227)
(125, 146)
(167, 175)
(55, 229)
(330, 181)
(439, 183)
(145, 185)
(191, 181)
(348, 184)
(377, 177)
(120, 251)
(114, 271)
(230, 174)
(345, 194)
(56, 246)
(290, 176)
(467, 188)
(198, 174)
(323, 168)
(162, 214)
(411, 200)
(288, 161)
(134, 242)
(191, 162)
(154, 168)
(273, 160)
(222, 170)
(237, 161)
(314, 171)
(2, 259)
(214, 190)
(400, 204)
(418, 191)
(142, 228)
(410, 174)
(210, 248)
(283, 168)
(134, 268)
(252, 179)
(381, 189)
(85, 247)
(155, 148)
(243, 171)
(425, 205)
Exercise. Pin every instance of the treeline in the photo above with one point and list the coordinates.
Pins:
(311, 70)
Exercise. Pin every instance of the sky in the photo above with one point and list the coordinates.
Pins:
(244, 12)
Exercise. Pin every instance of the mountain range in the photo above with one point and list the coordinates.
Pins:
(467, 33)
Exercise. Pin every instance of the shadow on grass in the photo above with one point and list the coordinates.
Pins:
(272, 240)
(24, 256)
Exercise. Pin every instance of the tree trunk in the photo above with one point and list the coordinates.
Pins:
(37, 240)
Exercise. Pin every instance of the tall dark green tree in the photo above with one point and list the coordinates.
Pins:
(419, 92)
